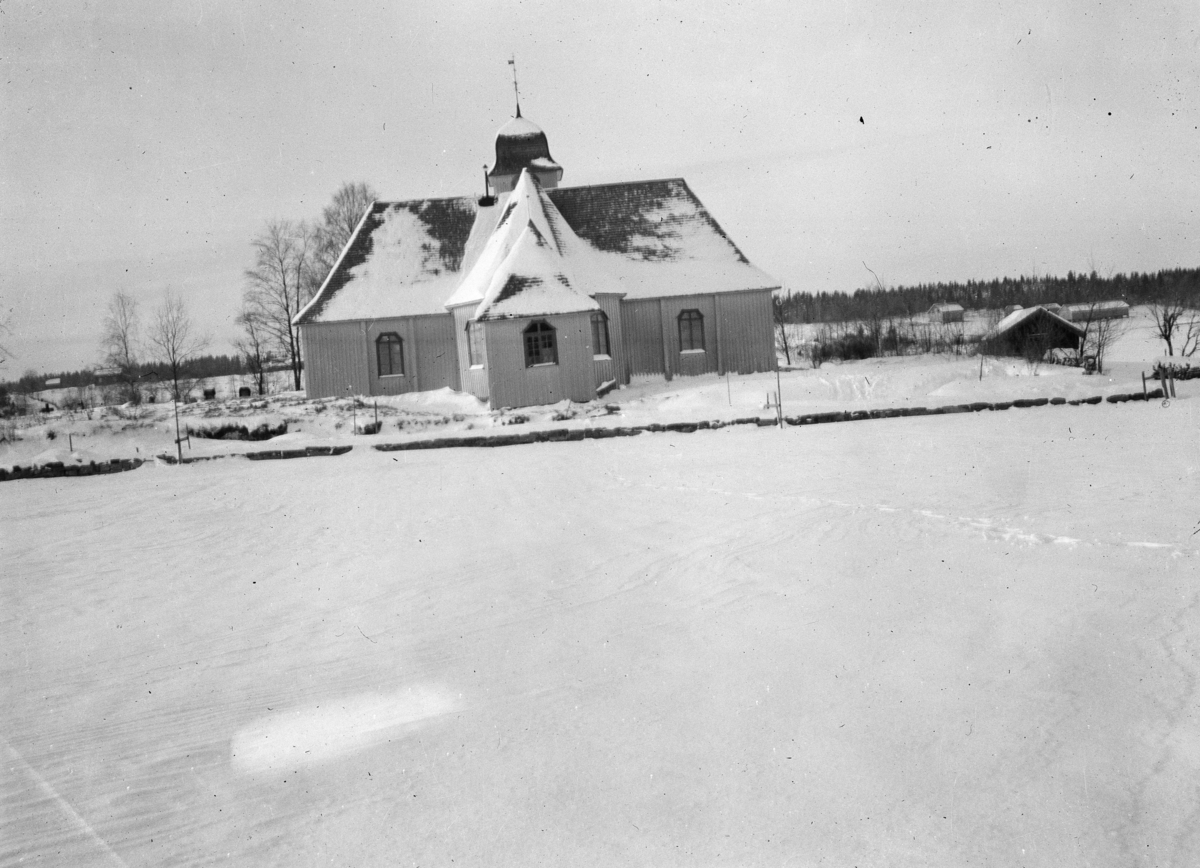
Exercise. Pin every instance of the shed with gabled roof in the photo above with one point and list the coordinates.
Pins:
(946, 311)
(1031, 333)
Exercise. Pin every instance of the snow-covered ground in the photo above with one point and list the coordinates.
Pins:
(942, 640)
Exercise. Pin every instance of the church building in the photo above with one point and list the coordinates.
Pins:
(538, 294)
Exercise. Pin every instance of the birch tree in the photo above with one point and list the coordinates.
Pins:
(280, 284)
(1176, 316)
(120, 340)
(338, 222)
(173, 338)
(252, 346)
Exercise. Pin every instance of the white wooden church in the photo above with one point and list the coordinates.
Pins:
(537, 294)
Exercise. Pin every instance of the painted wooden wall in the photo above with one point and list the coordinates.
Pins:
(340, 358)
(437, 354)
(747, 332)
(474, 379)
(612, 367)
(738, 334)
(511, 384)
(335, 359)
(641, 326)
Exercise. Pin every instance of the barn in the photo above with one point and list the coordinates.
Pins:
(946, 312)
(1091, 311)
(538, 294)
(1031, 332)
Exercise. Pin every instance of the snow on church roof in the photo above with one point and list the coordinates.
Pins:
(533, 280)
(532, 263)
(644, 239)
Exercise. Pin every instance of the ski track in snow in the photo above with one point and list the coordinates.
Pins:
(987, 528)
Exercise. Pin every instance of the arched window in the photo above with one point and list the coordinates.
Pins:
(389, 351)
(475, 344)
(600, 333)
(541, 344)
(691, 331)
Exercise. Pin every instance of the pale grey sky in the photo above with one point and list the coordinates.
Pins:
(145, 142)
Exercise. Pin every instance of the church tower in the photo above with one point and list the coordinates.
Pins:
(521, 144)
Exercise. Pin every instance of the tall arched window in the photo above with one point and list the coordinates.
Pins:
(389, 352)
(600, 333)
(541, 344)
(474, 343)
(691, 331)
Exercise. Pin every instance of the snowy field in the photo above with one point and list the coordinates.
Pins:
(952, 640)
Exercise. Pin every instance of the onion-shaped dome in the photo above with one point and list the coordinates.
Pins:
(521, 144)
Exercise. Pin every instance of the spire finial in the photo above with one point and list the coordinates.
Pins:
(512, 61)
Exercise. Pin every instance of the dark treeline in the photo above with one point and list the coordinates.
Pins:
(865, 304)
(198, 368)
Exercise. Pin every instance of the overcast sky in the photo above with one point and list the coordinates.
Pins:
(145, 142)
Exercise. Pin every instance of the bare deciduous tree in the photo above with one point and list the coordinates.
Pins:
(1103, 334)
(173, 338)
(1100, 332)
(252, 345)
(782, 344)
(1177, 314)
(5, 354)
(280, 284)
(338, 222)
(120, 341)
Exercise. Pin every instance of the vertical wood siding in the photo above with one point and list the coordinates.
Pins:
(336, 362)
(430, 360)
(437, 353)
(474, 380)
(747, 332)
(393, 385)
(612, 368)
(690, 364)
(511, 384)
(642, 337)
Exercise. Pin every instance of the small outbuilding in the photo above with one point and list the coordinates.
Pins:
(945, 311)
(1090, 311)
(1012, 308)
(1031, 333)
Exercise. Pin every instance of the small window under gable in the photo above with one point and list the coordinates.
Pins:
(541, 344)
(691, 331)
(389, 352)
(600, 333)
(475, 344)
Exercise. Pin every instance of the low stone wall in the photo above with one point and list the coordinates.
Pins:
(562, 435)
(55, 469)
(264, 455)
(558, 435)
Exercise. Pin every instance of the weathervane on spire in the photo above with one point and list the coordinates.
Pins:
(512, 61)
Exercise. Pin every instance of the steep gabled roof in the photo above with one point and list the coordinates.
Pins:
(534, 279)
(1028, 314)
(643, 239)
(403, 259)
(532, 263)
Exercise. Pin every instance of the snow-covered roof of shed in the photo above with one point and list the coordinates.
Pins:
(644, 239)
(1019, 316)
